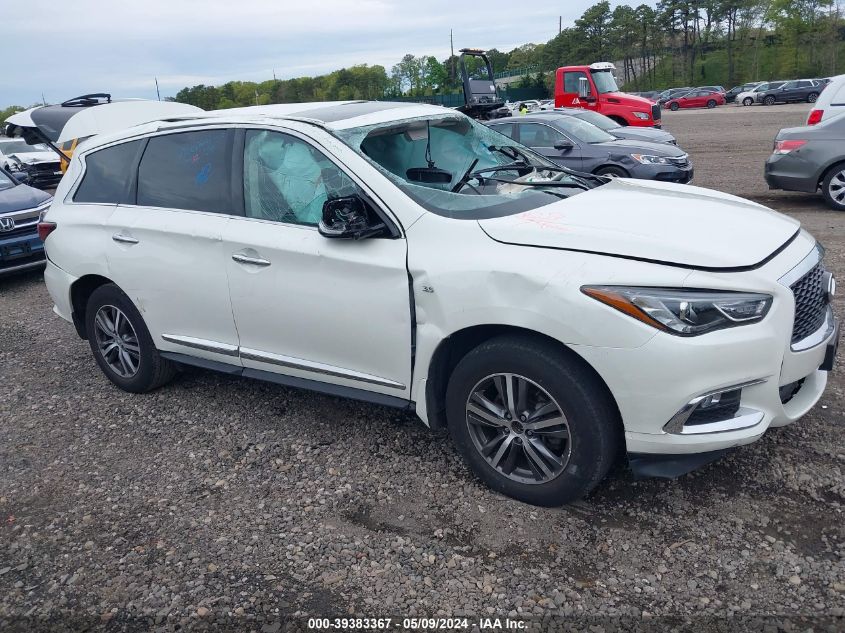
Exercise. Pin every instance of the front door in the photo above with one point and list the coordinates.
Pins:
(542, 139)
(328, 310)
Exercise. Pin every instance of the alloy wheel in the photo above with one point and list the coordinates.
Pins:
(836, 187)
(518, 428)
(117, 341)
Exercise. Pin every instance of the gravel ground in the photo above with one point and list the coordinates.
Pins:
(221, 502)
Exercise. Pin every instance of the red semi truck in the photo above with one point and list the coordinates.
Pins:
(594, 87)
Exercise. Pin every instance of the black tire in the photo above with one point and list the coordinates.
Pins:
(811, 98)
(711, 104)
(748, 101)
(590, 413)
(612, 171)
(674, 107)
(151, 370)
(835, 198)
(769, 101)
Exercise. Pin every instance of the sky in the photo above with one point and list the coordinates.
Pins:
(61, 49)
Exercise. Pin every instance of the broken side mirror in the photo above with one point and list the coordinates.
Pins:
(347, 218)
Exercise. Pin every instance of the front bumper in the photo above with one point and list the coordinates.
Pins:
(652, 383)
(19, 253)
(664, 173)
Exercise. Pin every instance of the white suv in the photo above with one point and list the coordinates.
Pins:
(406, 255)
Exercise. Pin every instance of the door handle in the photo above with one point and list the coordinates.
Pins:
(246, 259)
(124, 239)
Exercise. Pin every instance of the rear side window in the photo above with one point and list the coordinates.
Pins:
(187, 170)
(504, 128)
(108, 174)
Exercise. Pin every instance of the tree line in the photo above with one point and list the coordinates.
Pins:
(678, 42)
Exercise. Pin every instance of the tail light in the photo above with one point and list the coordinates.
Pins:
(815, 117)
(784, 147)
(44, 229)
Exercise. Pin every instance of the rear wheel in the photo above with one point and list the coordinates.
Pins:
(833, 187)
(530, 421)
(769, 101)
(711, 103)
(674, 107)
(811, 98)
(121, 342)
(747, 101)
(611, 172)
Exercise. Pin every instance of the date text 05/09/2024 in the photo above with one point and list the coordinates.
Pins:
(416, 624)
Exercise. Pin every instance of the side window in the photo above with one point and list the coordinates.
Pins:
(537, 135)
(108, 173)
(288, 180)
(504, 128)
(187, 170)
(570, 80)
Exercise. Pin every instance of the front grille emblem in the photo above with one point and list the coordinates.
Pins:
(7, 224)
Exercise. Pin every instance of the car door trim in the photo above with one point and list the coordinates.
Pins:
(203, 344)
(317, 368)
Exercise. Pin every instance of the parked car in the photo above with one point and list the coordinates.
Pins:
(573, 142)
(39, 162)
(791, 92)
(62, 127)
(810, 158)
(720, 89)
(20, 207)
(749, 97)
(733, 93)
(407, 255)
(831, 101)
(650, 134)
(547, 104)
(671, 93)
(696, 99)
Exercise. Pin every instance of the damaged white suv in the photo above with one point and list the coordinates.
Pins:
(405, 255)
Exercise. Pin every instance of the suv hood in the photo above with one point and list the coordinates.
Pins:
(35, 158)
(21, 197)
(678, 225)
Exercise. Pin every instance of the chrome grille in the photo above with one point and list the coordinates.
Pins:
(655, 112)
(810, 303)
(679, 161)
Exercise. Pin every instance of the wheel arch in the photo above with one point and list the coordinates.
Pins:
(824, 171)
(454, 347)
(80, 291)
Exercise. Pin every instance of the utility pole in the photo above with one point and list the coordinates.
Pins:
(452, 55)
(43, 100)
(158, 94)
(559, 24)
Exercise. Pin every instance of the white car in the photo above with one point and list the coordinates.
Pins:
(38, 161)
(406, 255)
(831, 101)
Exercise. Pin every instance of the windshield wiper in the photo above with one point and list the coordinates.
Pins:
(465, 178)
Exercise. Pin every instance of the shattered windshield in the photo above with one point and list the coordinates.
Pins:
(456, 167)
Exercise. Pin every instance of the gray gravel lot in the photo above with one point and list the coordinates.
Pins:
(220, 500)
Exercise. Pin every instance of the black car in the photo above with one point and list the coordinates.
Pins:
(790, 92)
(20, 208)
(809, 158)
(575, 143)
(650, 134)
(671, 93)
(731, 95)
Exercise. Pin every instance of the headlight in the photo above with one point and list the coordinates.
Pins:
(642, 116)
(647, 159)
(684, 312)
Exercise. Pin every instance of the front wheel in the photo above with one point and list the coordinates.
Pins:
(611, 172)
(769, 101)
(121, 342)
(532, 422)
(674, 107)
(711, 104)
(833, 188)
(748, 101)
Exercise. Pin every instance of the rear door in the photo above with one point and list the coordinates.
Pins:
(165, 246)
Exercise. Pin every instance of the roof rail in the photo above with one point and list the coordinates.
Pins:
(94, 98)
